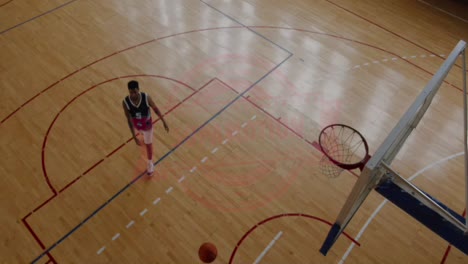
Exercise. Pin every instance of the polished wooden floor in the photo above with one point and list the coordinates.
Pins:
(245, 87)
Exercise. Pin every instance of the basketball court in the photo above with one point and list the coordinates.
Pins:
(246, 88)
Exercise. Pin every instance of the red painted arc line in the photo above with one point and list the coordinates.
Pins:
(201, 30)
(231, 259)
(44, 143)
(7, 2)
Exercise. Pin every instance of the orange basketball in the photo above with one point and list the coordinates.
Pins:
(207, 252)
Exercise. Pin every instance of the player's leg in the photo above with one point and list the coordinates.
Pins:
(148, 140)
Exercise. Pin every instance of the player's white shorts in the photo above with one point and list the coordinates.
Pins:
(147, 135)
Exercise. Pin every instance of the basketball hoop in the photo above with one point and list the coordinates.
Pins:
(344, 148)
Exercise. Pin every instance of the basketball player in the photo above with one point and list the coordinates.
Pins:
(137, 110)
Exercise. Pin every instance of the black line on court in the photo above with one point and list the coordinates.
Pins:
(248, 28)
(33, 18)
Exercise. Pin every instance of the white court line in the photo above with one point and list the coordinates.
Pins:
(377, 210)
(115, 236)
(101, 250)
(142, 213)
(350, 248)
(443, 11)
(181, 179)
(155, 202)
(130, 224)
(260, 257)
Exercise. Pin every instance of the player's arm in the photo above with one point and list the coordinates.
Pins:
(156, 110)
(130, 124)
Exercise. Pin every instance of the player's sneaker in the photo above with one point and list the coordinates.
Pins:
(150, 168)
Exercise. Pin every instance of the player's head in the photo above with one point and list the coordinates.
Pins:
(133, 89)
